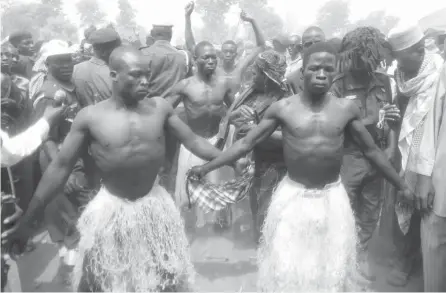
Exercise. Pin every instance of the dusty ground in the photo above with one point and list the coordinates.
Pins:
(224, 262)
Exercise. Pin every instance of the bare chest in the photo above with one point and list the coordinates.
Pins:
(201, 94)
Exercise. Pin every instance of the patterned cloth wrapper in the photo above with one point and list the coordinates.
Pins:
(274, 66)
(216, 197)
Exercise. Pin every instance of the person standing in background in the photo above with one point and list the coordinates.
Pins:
(24, 43)
(294, 49)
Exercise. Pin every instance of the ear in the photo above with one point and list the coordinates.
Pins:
(113, 75)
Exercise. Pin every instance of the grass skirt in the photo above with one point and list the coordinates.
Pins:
(133, 246)
(309, 239)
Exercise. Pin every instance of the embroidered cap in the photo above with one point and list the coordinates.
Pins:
(405, 35)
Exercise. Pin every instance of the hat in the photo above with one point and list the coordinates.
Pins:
(103, 35)
(405, 35)
(16, 37)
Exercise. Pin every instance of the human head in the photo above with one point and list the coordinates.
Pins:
(280, 44)
(205, 58)
(319, 69)
(9, 58)
(268, 71)
(23, 41)
(162, 32)
(104, 41)
(58, 58)
(407, 41)
(149, 41)
(295, 45)
(89, 31)
(362, 51)
(229, 52)
(312, 35)
(129, 72)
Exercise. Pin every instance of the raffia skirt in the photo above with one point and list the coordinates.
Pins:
(308, 239)
(133, 245)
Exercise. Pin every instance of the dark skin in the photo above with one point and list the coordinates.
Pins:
(61, 67)
(115, 133)
(205, 95)
(313, 141)
(410, 59)
(312, 36)
(295, 47)
(26, 47)
(229, 51)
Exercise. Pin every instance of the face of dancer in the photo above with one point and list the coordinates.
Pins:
(207, 60)
(6, 60)
(259, 78)
(229, 52)
(26, 47)
(61, 66)
(410, 59)
(319, 73)
(295, 46)
(131, 78)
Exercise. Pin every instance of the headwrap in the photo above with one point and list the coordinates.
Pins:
(273, 65)
(52, 48)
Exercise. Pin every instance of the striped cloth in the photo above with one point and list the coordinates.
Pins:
(215, 197)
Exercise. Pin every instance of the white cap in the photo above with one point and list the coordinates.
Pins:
(55, 47)
(405, 35)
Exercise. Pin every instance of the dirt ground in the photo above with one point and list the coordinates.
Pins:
(223, 261)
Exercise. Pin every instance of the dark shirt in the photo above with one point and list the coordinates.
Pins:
(25, 66)
(368, 99)
(92, 81)
(168, 66)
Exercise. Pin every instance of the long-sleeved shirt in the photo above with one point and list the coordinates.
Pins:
(16, 148)
(438, 131)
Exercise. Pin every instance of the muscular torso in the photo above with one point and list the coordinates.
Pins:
(204, 105)
(128, 146)
(313, 140)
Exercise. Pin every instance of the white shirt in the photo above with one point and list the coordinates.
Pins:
(16, 148)
(293, 65)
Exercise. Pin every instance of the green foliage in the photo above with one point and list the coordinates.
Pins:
(44, 20)
(379, 20)
(90, 12)
(126, 25)
(333, 17)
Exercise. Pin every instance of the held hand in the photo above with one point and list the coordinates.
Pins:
(240, 165)
(198, 171)
(405, 197)
(245, 17)
(55, 112)
(424, 196)
(189, 8)
(12, 223)
(392, 115)
(243, 112)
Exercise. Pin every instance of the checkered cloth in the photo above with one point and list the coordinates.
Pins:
(216, 197)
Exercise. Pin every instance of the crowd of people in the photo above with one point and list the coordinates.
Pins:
(111, 146)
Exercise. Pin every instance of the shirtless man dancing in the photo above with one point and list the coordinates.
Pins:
(132, 235)
(206, 97)
(309, 233)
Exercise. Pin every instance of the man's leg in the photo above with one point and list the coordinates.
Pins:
(433, 243)
(407, 250)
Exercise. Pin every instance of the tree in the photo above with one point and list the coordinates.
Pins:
(379, 20)
(333, 17)
(126, 24)
(44, 20)
(269, 21)
(90, 12)
(213, 14)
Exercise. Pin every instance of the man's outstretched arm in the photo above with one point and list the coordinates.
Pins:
(243, 146)
(60, 168)
(371, 151)
(189, 36)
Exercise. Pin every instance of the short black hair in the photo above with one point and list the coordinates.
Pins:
(230, 42)
(321, 47)
(313, 28)
(200, 46)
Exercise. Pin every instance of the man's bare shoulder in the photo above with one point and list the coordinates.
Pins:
(348, 107)
(159, 104)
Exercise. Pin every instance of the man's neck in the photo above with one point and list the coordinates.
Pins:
(229, 66)
(205, 77)
(314, 100)
(123, 103)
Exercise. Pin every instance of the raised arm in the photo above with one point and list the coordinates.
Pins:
(194, 143)
(371, 151)
(243, 146)
(60, 168)
(189, 36)
(244, 64)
